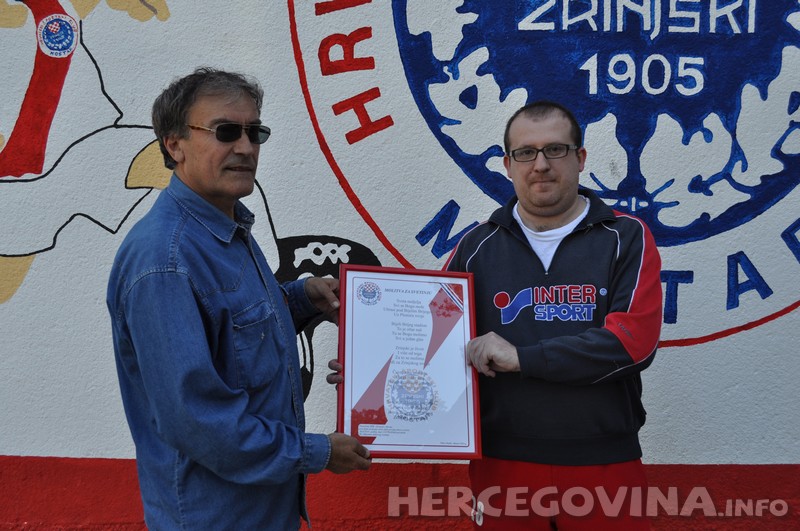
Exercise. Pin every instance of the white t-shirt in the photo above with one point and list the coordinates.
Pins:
(545, 243)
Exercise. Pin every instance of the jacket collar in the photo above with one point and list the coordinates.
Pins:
(599, 212)
(213, 219)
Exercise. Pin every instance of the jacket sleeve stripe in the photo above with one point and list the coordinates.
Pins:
(639, 326)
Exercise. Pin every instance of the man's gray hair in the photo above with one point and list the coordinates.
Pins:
(171, 108)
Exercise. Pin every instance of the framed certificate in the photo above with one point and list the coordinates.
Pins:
(409, 390)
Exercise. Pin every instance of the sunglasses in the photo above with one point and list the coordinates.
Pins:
(231, 132)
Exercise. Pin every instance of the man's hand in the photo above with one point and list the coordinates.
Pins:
(323, 293)
(335, 378)
(347, 454)
(491, 353)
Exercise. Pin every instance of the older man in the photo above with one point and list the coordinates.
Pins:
(204, 335)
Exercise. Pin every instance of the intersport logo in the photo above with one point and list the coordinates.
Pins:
(563, 303)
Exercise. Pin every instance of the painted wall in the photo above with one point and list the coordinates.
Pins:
(387, 120)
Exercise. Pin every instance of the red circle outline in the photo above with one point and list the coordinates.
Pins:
(323, 144)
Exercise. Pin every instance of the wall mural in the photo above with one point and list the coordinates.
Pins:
(702, 144)
(51, 125)
(55, 127)
(692, 114)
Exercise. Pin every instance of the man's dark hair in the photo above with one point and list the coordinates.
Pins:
(171, 108)
(539, 110)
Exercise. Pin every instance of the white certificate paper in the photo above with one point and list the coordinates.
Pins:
(408, 390)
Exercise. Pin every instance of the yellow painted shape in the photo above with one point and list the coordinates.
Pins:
(13, 270)
(140, 10)
(84, 7)
(147, 169)
(12, 15)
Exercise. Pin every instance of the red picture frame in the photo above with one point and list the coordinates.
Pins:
(409, 390)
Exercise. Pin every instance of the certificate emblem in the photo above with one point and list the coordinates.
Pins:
(411, 395)
(369, 293)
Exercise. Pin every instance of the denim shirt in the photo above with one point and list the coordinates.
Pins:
(206, 353)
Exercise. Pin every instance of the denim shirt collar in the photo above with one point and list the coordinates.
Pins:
(209, 216)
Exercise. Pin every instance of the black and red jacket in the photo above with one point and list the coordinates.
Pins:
(584, 330)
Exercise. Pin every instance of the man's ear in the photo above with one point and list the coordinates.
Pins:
(581, 152)
(174, 145)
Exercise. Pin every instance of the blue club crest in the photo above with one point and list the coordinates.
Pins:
(656, 85)
(57, 35)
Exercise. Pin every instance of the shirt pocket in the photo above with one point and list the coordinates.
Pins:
(257, 345)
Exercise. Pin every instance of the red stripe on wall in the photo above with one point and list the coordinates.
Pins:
(49, 493)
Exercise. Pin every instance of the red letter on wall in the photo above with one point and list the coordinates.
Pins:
(322, 8)
(349, 62)
(367, 126)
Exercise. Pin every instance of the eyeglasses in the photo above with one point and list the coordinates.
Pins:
(553, 151)
(231, 132)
